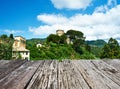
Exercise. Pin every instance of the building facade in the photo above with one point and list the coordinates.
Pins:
(39, 45)
(19, 49)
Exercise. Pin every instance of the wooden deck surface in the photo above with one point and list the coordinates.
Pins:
(51, 74)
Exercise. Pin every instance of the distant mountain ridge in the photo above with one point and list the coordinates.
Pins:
(36, 40)
(99, 43)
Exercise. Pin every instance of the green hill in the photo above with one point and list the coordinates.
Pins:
(36, 40)
(98, 43)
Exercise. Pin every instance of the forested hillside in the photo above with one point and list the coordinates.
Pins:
(56, 47)
(60, 47)
(95, 47)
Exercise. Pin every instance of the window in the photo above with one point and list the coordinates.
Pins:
(26, 58)
(26, 53)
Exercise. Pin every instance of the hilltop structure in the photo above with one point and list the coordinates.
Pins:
(19, 49)
(60, 32)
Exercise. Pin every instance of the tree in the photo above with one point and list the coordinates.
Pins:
(78, 39)
(105, 52)
(63, 39)
(57, 39)
(73, 35)
(6, 47)
(111, 49)
(88, 48)
(53, 38)
(11, 36)
(4, 36)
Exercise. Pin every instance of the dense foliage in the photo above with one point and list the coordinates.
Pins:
(52, 51)
(73, 34)
(96, 50)
(57, 39)
(56, 47)
(6, 46)
(96, 47)
(111, 49)
(58, 52)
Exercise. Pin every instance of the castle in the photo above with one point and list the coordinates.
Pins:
(60, 32)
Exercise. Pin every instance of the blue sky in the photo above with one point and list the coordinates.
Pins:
(97, 19)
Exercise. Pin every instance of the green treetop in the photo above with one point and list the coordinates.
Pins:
(111, 49)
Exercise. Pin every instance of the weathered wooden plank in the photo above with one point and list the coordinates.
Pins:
(35, 77)
(19, 77)
(2, 62)
(45, 77)
(108, 70)
(52, 82)
(70, 77)
(114, 62)
(7, 67)
(89, 75)
(62, 77)
(38, 77)
(51, 74)
(95, 78)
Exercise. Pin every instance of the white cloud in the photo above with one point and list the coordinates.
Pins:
(52, 19)
(42, 30)
(71, 4)
(12, 31)
(95, 26)
(106, 7)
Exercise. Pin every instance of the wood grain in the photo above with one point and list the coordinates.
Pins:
(52, 74)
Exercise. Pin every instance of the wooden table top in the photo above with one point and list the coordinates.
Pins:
(52, 74)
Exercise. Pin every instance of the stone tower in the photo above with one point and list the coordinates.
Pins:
(60, 32)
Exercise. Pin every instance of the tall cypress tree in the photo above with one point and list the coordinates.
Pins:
(11, 36)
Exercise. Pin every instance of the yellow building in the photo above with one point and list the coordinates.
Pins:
(19, 49)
